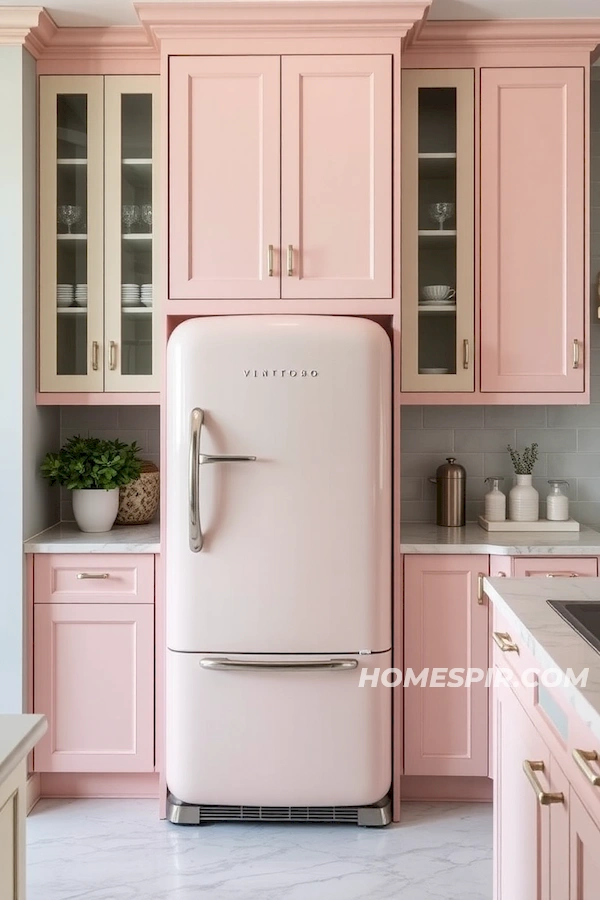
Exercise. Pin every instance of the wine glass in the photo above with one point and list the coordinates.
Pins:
(130, 213)
(146, 211)
(439, 212)
(68, 215)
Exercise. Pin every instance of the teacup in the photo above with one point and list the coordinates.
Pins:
(437, 292)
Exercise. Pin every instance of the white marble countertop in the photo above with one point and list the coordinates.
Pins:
(18, 735)
(471, 538)
(67, 538)
(553, 643)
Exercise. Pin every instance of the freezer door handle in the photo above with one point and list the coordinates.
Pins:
(316, 665)
(196, 460)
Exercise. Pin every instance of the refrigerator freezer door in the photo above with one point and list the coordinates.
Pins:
(302, 737)
(296, 545)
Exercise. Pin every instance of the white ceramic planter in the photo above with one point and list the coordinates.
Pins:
(523, 501)
(95, 510)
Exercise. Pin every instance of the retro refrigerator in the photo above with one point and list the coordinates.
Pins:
(278, 569)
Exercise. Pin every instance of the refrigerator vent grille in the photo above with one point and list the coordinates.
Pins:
(347, 814)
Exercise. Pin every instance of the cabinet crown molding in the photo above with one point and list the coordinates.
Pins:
(183, 20)
(27, 26)
(507, 34)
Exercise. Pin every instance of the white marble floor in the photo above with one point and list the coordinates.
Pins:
(119, 850)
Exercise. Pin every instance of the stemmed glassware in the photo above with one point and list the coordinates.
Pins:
(68, 215)
(439, 212)
(146, 211)
(130, 214)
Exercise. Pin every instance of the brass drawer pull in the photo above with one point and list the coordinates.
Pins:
(95, 350)
(290, 260)
(505, 642)
(270, 260)
(466, 354)
(562, 575)
(545, 798)
(85, 576)
(583, 758)
(480, 591)
(576, 354)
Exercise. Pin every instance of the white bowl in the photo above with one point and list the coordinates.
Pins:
(147, 301)
(81, 301)
(64, 301)
(437, 292)
(130, 301)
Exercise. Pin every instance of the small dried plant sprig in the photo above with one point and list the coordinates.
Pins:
(524, 462)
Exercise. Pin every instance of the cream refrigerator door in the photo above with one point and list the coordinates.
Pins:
(296, 545)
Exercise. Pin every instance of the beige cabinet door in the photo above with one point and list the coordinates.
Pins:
(131, 216)
(438, 172)
(71, 322)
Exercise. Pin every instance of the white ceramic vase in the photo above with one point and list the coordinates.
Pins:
(95, 510)
(523, 501)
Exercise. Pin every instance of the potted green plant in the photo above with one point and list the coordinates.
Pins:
(94, 470)
(523, 499)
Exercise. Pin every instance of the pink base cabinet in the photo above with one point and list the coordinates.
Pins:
(546, 811)
(94, 662)
(445, 625)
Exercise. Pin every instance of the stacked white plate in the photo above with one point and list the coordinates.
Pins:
(146, 294)
(81, 294)
(450, 302)
(130, 295)
(64, 294)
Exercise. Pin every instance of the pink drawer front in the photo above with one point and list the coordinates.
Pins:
(556, 567)
(93, 578)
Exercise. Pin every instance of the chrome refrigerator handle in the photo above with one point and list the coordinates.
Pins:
(317, 665)
(196, 460)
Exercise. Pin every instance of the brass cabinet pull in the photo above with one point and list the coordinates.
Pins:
(545, 798)
(466, 354)
(576, 353)
(270, 260)
(85, 576)
(480, 593)
(95, 349)
(290, 259)
(583, 758)
(112, 356)
(562, 575)
(505, 642)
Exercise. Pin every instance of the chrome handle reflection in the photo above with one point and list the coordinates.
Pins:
(196, 538)
(327, 665)
(205, 458)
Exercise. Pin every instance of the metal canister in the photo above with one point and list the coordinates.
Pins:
(451, 481)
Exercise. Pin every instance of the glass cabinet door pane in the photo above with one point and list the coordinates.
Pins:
(71, 234)
(437, 213)
(136, 238)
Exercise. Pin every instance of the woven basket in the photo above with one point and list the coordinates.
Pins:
(138, 500)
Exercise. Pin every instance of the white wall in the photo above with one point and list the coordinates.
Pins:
(26, 505)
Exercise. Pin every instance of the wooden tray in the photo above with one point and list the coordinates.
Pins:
(540, 525)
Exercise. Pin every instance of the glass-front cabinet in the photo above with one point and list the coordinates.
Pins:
(437, 230)
(98, 260)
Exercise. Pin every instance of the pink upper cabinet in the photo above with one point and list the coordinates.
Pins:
(224, 176)
(336, 158)
(532, 230)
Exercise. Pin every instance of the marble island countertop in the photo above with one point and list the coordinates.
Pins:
(471, 538)
(67, 538)
(18, 735)
(551, 641)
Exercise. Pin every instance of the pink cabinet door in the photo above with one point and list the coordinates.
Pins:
(224, 177)
(584, 852)
(532, 229)
(521, 824)
(336, 183)
(445, 626)
(94, 680)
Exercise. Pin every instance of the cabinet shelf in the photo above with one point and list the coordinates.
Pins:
(136, 310)
(137, 236)
(71, 310)
(133, 161)
(433, 237)
(71, 237)
(437, 165)
(428, 310)
(75, 161)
